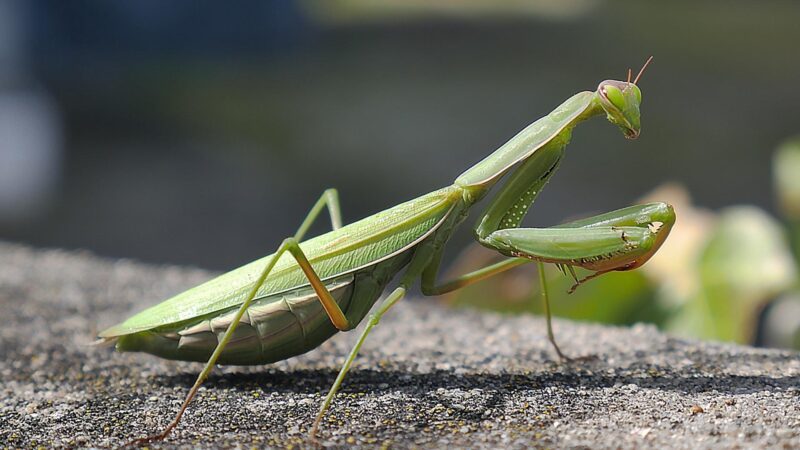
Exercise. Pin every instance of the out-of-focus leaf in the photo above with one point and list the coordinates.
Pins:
(786, 169)
(616, 298)
(674, 267)
(745, 263)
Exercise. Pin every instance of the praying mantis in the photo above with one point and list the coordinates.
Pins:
(290, 302)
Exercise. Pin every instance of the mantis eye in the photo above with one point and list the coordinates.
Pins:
(614, 95)
(637, 92)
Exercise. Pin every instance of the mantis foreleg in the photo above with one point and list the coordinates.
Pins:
(618, 240)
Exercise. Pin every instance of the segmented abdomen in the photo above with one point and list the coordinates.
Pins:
(273, 328)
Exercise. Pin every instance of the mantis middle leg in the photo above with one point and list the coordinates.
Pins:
(429, 287)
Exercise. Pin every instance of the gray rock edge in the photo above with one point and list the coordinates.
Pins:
(428, 377)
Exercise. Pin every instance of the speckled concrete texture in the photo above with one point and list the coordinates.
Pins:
(428, 377)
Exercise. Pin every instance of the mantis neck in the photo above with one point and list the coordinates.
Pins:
(482, 176)
(523, 186)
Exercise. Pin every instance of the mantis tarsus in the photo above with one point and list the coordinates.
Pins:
(290, 302)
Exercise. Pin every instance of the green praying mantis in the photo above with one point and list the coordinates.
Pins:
(290, 302)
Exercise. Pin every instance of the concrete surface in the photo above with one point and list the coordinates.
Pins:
(428, 377)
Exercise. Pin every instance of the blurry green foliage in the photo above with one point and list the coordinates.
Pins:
(743, 264)
(782, 319)
(786, 167)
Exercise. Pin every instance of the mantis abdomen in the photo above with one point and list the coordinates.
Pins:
(275, 327)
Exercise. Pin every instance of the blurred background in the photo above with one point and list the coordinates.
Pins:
(192, 132)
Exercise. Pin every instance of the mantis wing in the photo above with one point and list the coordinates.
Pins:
(332, 254)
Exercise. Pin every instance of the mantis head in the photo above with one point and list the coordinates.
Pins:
(620, 100)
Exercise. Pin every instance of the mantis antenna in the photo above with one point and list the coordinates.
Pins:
(629, 75)
(639, 75)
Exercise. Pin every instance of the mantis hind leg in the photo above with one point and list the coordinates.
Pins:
(329, 198)
(291, 245)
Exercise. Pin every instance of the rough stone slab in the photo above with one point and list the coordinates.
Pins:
(428, 377)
